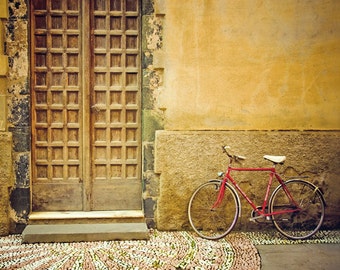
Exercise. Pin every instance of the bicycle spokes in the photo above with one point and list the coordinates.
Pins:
(208, 222)
(301, 217)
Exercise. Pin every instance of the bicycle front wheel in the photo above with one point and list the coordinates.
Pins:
(214, 223)
(307, 209)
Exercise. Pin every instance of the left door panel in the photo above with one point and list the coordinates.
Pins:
(57, 102)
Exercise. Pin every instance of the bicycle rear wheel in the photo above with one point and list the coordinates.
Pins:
(308, 218)
(214, 223)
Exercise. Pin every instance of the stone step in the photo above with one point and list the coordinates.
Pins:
(84, 232)
(86, 217)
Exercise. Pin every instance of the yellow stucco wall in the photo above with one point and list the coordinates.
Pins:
(3, 9)
(250, 65)
(3, 65)
(6, 177)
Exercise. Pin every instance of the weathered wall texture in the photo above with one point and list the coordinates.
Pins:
(265, 75)
(251, 65)
(185, 160)
(152, 84)
(18, 110)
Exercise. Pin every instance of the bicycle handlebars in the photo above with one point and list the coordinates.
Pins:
(226, 149)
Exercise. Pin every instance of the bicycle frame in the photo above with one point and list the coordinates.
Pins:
(262, 211)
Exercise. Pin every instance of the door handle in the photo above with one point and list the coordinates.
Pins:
(95, 108)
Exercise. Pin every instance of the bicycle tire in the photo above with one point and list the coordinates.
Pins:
(304, 223)
(214, 223)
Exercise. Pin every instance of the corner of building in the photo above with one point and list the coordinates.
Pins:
(152, 111)
(14, 94)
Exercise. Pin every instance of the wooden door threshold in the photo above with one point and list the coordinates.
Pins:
(85, 217)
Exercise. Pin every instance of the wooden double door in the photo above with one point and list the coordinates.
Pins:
(85, 105)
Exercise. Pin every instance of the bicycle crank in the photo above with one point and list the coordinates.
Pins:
(258, 218)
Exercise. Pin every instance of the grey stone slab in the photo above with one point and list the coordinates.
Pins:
(300, 256)
(85, 232)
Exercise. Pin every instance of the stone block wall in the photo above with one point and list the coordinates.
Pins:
(152, 85)
(18, 115)
(186, 159)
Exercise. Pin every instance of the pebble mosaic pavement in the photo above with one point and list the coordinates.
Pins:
(164, 250)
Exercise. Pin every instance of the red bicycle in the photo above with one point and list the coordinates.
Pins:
(296, 207)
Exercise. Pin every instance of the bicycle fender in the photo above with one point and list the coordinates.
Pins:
(316, 189)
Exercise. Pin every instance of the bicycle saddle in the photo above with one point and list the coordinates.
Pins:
(275, 159)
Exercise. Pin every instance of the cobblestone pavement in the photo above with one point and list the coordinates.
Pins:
(177, 250)
(164, 250)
